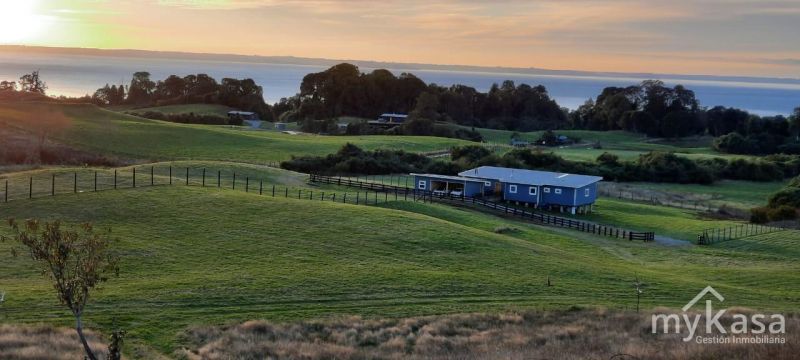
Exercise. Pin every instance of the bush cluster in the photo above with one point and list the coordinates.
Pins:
(781, 205)
(188, 118)
(351, 159)
(650, 167)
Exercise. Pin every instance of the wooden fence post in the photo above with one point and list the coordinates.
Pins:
(53, 186)
(152, 176)
(261, 187)
(204, 177)
(5, 193)
(247, 184)
(273, 190)
(75, 183)
(134, 177)
(115, 179)
(219, 178)
(234, 181)
(170, 174)
(187, 176)
(95, 181)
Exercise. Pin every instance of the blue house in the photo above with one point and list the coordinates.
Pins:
(449, 185)
(541, 189)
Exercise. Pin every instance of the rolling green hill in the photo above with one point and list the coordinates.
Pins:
(91, 128)
(195, 256)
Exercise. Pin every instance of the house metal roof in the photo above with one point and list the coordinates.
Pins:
(449, 177)
(394, 115)
(530, 177)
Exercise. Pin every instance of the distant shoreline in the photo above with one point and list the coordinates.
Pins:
(293, 60)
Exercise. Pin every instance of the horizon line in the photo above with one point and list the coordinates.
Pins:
(452, 67)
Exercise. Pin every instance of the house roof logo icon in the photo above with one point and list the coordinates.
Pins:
(703, 293)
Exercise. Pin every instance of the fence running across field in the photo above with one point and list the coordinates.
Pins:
(711, 236)
(655, 200)
(541, 218)
(63, 182)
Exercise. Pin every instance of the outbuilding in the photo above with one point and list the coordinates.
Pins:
(449, 185)
(542, 189)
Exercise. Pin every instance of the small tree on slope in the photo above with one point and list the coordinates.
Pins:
(75, 260)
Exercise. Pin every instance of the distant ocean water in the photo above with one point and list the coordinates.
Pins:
(76, 75)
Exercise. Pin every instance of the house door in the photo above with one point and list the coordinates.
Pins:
(498, 188)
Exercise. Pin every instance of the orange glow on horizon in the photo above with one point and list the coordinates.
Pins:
(591, 35)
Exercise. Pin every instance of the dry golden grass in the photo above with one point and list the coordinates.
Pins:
(597, 334)
(44, 343)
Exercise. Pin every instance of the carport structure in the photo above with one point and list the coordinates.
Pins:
(448, 184)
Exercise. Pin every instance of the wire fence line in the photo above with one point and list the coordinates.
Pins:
(545, 219)
(655, 200)
(64, 182)
(711, 236)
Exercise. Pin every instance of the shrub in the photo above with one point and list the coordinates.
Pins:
(188, 118)
(505, 229)
(759, 215)
(782, 213)
(788, 196)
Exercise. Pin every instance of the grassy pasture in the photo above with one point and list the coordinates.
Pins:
(735, 193)
(94, 129)
(626, 145)
(672, 222)
(195, 256)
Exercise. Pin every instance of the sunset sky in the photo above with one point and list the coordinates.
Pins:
(722, 37)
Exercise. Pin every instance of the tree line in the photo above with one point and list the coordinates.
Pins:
(655, 166)
(142, 91)
(343, 90)
(650, 108)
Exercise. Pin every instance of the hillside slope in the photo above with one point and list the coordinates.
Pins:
(195, 256)
(90, 128)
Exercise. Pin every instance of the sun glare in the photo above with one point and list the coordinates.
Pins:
(19, 21)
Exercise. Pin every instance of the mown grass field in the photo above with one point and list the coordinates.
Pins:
(107, 132)
(194, 256)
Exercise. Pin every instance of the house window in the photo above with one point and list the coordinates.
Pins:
(558, 191)
(586, 192)
(512, 189)
(547, 190)
(422, 184)
(487, 183)
(532, 190)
